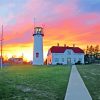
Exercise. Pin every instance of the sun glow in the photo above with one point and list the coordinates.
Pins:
(25, 50)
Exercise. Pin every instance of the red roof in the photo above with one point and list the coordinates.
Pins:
(60, 49)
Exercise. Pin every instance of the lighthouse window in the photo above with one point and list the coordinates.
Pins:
(39, 30)
(37, 55)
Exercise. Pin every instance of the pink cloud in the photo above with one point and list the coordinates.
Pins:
(62, 22)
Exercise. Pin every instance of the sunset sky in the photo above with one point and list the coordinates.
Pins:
(65, 22)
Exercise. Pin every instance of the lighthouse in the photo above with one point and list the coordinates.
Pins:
(38, 46)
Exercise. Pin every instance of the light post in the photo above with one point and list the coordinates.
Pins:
(1, 47)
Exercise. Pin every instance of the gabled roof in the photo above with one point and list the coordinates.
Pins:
(57, 49)
(60, 49)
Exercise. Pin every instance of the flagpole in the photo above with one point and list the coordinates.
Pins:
(1, 47)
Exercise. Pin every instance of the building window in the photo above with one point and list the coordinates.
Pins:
(68, 60)
(62, 59)
(69, 52)
(37, 55)
(56, 60)
(75, 60)
(80, 59)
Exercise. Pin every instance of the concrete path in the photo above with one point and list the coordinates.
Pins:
(76, 88)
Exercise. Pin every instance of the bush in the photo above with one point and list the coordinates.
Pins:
(78, 63)
(59, 64)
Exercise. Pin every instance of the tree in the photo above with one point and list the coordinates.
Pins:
(92, 53)
(45, 62)
(87, 49)
(91, 50)
(96, 49)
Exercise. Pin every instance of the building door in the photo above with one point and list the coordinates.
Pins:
(68, 61)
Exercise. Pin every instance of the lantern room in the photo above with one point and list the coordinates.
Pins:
(38, 31)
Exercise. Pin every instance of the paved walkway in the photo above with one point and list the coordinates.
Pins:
(76, 88)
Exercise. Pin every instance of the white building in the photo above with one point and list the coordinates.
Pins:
(38, 46)
(16, 60)
(65, 55)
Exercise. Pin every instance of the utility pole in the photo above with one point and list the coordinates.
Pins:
(1, 47)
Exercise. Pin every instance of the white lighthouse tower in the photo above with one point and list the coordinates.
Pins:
(38, 46)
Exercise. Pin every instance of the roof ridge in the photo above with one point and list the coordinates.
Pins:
(61, 49)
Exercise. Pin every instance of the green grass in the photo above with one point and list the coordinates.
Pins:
(91, 77)
(25, 82)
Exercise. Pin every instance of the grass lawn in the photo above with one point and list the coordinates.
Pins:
(91, 77)
(27, 82)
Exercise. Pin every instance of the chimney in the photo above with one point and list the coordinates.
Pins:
(64, 45)
(58, 44)
(73, 45)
